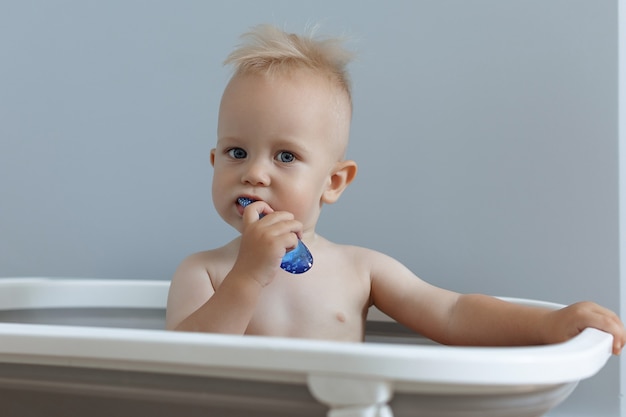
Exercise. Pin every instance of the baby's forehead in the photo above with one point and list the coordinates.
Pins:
(245, 88)
(314, 78)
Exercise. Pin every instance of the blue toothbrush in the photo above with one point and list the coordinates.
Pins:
(297, 260)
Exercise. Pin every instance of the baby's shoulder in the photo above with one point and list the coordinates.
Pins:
(377, 265)
(211, 259)
(353, 250)
(359, 255)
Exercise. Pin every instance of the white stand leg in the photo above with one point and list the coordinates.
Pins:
(352, 397)
(374, 411)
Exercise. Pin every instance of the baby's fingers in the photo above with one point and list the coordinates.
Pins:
(615, 326)
(256, 210)
(608, 321)
(592, 315)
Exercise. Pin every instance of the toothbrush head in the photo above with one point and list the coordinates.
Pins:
(245, 201)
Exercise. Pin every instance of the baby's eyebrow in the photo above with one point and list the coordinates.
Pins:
(227, 138)
(292, 145)
(230, 141)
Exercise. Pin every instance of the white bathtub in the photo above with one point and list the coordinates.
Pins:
(93, 348)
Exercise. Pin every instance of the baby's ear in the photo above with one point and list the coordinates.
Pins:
(341, 176)
(213, 157)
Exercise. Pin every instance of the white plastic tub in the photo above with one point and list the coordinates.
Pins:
(95, 347)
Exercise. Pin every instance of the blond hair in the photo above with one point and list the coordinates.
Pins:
(268, 50)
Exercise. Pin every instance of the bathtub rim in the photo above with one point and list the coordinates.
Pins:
(413, 368)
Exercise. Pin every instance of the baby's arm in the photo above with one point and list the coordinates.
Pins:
(512, 324)
(195, 305)
(456, 319)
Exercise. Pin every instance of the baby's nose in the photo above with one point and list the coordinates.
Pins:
(256, 173)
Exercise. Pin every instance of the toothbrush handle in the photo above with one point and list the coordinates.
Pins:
(297, 260)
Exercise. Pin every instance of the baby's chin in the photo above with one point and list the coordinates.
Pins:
(232, 219)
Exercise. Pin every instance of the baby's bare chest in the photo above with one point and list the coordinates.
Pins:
(315, 306)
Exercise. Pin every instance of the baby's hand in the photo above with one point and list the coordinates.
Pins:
(570, 321)
(265, 241)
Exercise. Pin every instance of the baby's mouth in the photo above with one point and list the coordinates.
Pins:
(245, 201)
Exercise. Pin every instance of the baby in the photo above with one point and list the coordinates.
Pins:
(283, 129)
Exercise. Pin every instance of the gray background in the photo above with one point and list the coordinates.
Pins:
(486, 133)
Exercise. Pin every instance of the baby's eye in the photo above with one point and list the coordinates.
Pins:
(237, 153)
(285, 157)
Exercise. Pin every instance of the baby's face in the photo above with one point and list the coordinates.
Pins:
(279, 140)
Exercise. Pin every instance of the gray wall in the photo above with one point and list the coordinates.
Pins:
(486, 134)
